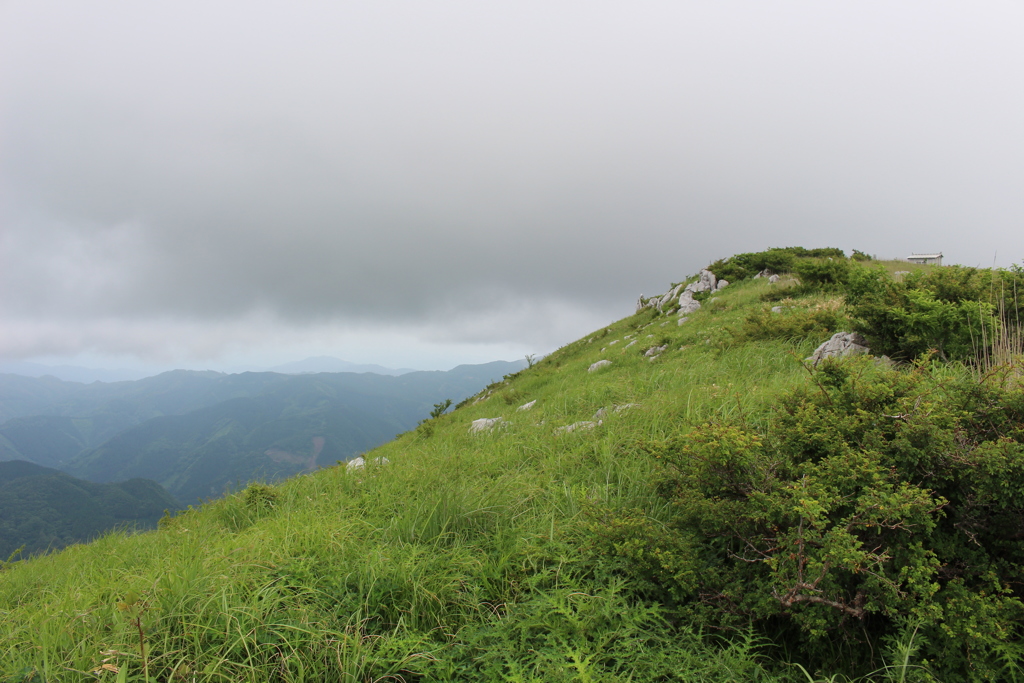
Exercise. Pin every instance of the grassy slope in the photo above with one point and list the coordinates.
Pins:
(415, 565)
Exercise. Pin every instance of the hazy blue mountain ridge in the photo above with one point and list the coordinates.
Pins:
(201, 433)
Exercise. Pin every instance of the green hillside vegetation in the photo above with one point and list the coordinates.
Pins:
(42, 509)
(721, 511)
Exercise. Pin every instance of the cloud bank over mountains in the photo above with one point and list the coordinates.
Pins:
(184, 181)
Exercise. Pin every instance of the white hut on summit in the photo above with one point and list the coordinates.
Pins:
(931, 259)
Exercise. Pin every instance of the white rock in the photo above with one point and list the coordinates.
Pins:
(598, 365)
(840, 345)
(613, 342)
(722, 284)
(669, 296)
(776, 309)
(655, 350)
(683, 320)
(629, 344)
(706, 283)
(585, 425)
(690, 306)
(626, 406)
(484, 424)
(527, 406)
(600, 414)
(359, 463)
(773, 278)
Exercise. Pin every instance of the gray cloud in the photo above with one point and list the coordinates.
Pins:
(463, 172)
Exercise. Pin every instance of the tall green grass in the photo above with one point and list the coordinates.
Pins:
(460, 559)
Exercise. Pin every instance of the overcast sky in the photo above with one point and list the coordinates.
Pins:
(208, 184)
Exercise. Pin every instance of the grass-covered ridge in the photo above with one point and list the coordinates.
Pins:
(670, 542)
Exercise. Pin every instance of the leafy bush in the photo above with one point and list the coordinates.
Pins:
(819, 322)
(872, 504)
(779, 260)
(946, 309)
(827, 273)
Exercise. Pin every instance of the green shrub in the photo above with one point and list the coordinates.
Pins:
(945, 310)
(871, 500)
(778, 260)
(827, 273)
(818, 323)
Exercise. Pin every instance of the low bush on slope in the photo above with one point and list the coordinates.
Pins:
(745, 514)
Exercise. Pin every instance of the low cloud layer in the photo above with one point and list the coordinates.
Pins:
(176, 176)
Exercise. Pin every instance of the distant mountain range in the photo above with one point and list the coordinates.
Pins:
(200, 433)
(74, 373)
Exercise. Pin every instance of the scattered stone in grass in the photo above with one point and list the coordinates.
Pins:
(485, 424)
(773, 279)
(777, 309)
(598, 365)
(584, 425)
(613, 342)
(629, 344)
(626, 406)
(655, 351)
(683, 320)
(359, 463)
(722, 284)
(600, 414)
(527, 406)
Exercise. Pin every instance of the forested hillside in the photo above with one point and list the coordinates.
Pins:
(678, 496)
(42, 509)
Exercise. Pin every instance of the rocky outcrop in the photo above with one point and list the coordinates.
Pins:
(527, 406)
(773, 279)
(598, 365)
(840, 345)
(705, 283)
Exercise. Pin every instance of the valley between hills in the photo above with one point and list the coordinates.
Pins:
(680, 495)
